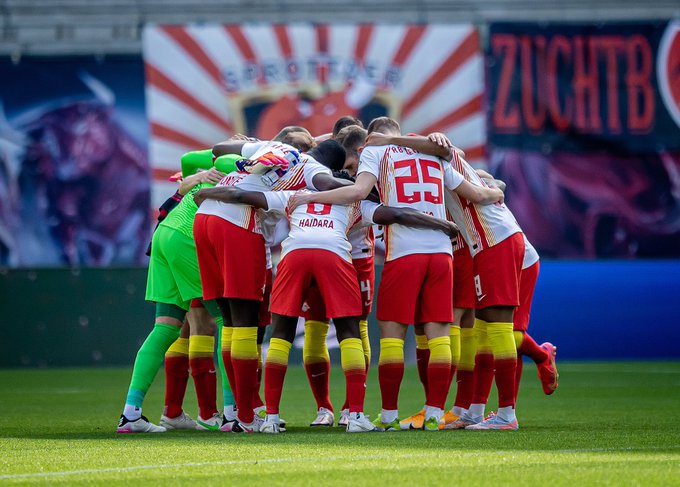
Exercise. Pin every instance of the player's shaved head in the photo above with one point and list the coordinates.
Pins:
(330, 154)
(351, 137)
(346, 121)
(384, 125)
(289, 129)
(302, 141)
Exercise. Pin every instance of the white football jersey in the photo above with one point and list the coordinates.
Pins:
(409, 179)
(296, 177)
(530, 254)
(482, 226)
(320, 226)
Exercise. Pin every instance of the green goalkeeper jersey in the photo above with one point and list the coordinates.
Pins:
(182, 217)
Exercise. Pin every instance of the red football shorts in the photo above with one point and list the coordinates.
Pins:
(527, 284)
(497, 272)
(314, 308)
(416, 289)
(231, 259)
(335, 278)
(265, 312)
(463, 280)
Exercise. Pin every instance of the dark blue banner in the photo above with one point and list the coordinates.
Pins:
(74, 171)
(584, 126)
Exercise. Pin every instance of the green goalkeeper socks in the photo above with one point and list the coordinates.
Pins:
(149, 360)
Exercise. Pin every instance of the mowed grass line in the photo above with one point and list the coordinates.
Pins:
(608, 424)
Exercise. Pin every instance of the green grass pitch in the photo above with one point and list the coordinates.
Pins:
(608, 424)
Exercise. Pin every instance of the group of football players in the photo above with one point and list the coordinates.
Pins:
(458, 268)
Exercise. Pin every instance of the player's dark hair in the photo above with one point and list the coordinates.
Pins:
(384, 125)
(342, 174)
(330, 154)
(346, 121)
(351, 137)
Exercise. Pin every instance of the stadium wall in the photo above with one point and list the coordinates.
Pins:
(590, 310)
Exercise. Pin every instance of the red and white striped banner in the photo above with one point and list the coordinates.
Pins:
(204, 83)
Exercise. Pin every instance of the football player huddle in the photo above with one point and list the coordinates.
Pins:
(458, 269)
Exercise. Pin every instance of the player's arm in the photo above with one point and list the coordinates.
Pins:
(340, 196)
(500, 184)
(388, 215)
(480, 195)
(213, 176)
(230, 194)
(231, 146)
(417, 142)
(326, 182)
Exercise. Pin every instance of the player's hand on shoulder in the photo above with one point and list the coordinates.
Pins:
(299, 199)
(443, 141)
(213, 176)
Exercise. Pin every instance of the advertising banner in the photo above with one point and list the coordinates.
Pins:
(584, 126)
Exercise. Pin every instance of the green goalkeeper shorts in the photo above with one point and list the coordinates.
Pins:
(173, 270)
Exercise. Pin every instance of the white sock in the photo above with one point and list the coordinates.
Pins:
(432, 412)
(458, 411)
(507, 413)
(229, 413)
(132, 413)
(476, 411)
(389, 415)
(274, 418)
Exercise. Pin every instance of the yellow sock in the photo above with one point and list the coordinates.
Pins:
(201, 346)
(440, 351)
(468, 349)
(227, 332)
(483, 345)
(391, 351)
(179, 349)
(259, 355)
(519, 338)
(501, 340)
(421, 342)
(352, 355)
(278, 352)
(365, 342)
(315, 350)
(244, 343)
(454, 335)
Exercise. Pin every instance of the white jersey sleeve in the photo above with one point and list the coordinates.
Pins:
(368, 209)
(311, 169)
(530, 254)
(249, 149)
(370, 160)
(452, 178)
(277, 201)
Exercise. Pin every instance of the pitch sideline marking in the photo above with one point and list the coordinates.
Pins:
(287, 460)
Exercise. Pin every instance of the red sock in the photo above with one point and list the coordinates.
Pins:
(422, 361)
(205, 382)
(532, 350)
(465, 388)
(438, 381)
(483, 378)
(274, 374)
(390, 376)
(176, 379)
(518, 375)
(356, 390)
(244, 361)
(257, 400)
(505, 381)
(318, 374)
